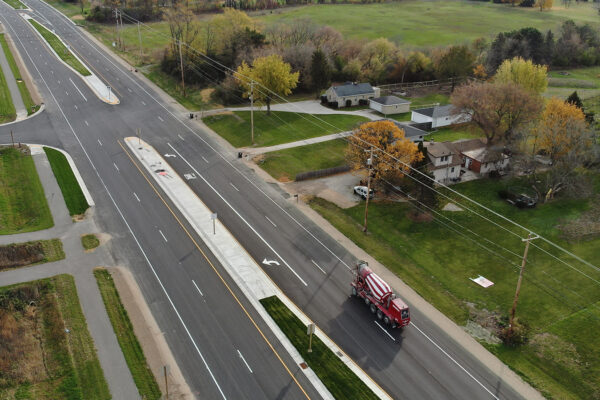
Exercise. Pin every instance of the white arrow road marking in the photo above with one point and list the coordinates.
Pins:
(270, 262)
(386, 332)
(317, 265)
(170, 155)
(244, 360)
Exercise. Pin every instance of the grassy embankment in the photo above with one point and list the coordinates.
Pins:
(277, 128)
(30, 253)
(7, 108)
(134, 355)
(47, 351)
(60, 49)
(23, 206)
(90, 241)
(74, 198)
(559, 304)
(30, 106)
(16, 4)
(335, 375)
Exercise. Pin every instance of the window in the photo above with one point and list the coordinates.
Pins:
(444, 159)
(452, 169)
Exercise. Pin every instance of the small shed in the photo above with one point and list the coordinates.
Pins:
(439, 116)
(390, 105)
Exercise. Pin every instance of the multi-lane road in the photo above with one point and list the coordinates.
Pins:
(220, 350)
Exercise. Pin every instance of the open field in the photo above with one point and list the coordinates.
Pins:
(438, 257)
(7, 108)
(335, 375)
(25, 95)
(284, 165)
(74, 198)
(46, 350)
(279, 127)
(26, 254)
(417, 24)
(23, 206)
(60, 49)
(134, 355)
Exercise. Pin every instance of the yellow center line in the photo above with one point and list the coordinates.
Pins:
(215, 270)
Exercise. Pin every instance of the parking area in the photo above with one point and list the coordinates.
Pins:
(336, 189)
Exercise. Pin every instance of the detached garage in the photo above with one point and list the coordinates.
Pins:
(390, 105)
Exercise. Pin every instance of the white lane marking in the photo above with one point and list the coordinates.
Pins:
(272, 223)
(77, 89)
(86, 122)
(99, 142)
(51, 71)
(67, 93)
(233, 186)
(239, 215)
(163, 235)
(117, 168)
(317, 265)
(205, 160)
(136, 197)
(198, 289)
(455, 362)
(386, 332)
(180, 137)
(127, 88)
(161, 119)
(244, 360)
(214, 379)
(143, 102)
(76, 107)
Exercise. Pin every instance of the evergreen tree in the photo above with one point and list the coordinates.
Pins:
(575, 100)
(320, 71)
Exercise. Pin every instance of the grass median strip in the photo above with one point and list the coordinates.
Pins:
(134, 355)
(60, 49)
(341, 382)
(25, 95)
(16, 4)
(7, 108)
(74, 198)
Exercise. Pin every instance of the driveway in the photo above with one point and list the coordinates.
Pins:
(310, 107)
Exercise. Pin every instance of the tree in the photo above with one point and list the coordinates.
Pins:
(497, 108)
(456, 62)
(386, 136)
(425, 192)
(575, 100)
(544, 4)
(530, 76)
(375, 57)
(272, 74)
(320, 71)
(183, 26)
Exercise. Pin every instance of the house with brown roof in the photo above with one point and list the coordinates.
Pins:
(444, 162)
(350, 94)
(479, 158)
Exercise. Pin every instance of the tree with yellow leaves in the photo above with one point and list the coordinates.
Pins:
(389, 145)
(524, 73)
(273, 76)
(544, 4)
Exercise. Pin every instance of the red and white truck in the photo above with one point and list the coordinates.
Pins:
(379, 297)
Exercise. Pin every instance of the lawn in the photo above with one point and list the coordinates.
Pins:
(277, 128)
(445, 21)
(428, 100)
(16, 4)
(47, 352)
(7, 108)
(335, 375)
(450, 134)
(134, 355)
(284, 165)
(74, 198)
(437, 262)
(25, 95)
(23, 206)
(60, 49)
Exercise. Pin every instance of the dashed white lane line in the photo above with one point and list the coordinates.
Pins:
(76, 107)
(129, 90)
(163, 235)
(205, 160)
(386, 332)
(77, 89)
(67, 93)
(162, 120)
(197, 288)
(317, 265)
(86, 123)
(99, 142)
(233, 186)
(136, 197)
(244, 360)
(117, 168)
(272, 223)
(180, 137)
(144, 103)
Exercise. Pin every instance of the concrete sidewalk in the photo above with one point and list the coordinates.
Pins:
(260, 150)
(12, 84)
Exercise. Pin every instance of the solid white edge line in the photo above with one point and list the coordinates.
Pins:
(77, 89)
(238, 214)
(163, 235)
(272, 223)
(455, 362)
(317, 265)
(386, 332)
(123, 218)
(244, 360)
(197, 288)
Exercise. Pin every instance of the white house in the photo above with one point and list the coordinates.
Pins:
(410, 132)
(444, 162)
(350, 94)
(439, 116)
(390, 105)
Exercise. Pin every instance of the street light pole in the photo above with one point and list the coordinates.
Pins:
(529, 238)
(370, 165)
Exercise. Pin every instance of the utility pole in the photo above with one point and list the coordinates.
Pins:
(121, 20)
(252, 110)
(166, 382)
(181, 63)
(529, 238)
(140, 39)
(369, 165)
(118, 41)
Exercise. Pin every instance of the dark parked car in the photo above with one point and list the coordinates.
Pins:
(518, 198)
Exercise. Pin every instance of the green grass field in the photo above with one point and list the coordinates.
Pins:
(52, 250)
(134, 355)
(74, 198)
(417, 24)
(7, 108)
(335, 375)
(284, 165)
(16, 4)
(25, 95)
(450, 134)
(60, 49)
(23, 206)
(90, 241)
(279, 127)
(438, 262)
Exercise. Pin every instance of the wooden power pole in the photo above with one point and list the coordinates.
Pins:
(370, 165)
(181, 63)
(529, 238)
(252, 110)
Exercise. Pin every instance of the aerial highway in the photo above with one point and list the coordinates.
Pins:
(205, 326)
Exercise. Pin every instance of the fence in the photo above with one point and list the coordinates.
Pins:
(395, 87)
(322, 172)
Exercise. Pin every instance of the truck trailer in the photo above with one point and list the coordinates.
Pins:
(378, 295)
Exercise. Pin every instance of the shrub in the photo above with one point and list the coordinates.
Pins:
(519, 333)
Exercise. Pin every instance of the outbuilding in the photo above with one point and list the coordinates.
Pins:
(390, 105)
(439, 116)
(350, 94)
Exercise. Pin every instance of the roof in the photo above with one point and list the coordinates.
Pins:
(436, 112)
(351, 89)
(390, 100)
(485, 155)
(409, 131)
(460, 146)
(438, 150)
